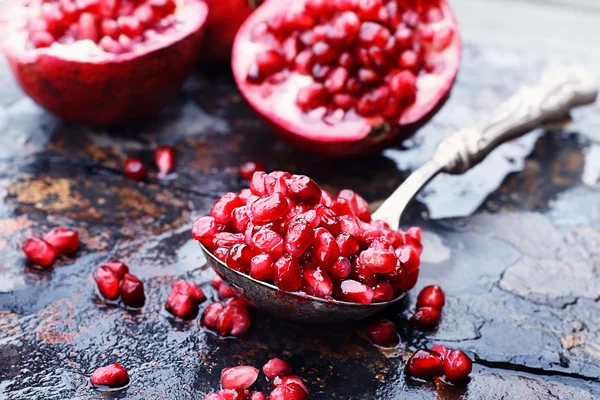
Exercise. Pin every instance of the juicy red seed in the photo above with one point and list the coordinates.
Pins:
(379, 261)
(409, 258)
(261, 267)
(39, 252)
(269, 63)
(63, 240)
(286, 273)
(87, 27)
(216, 281)
(383, 292)
(221, 253)
(325, 249)
(368, 76)
(344, 101)
(276, 367)
(442, 38)
(353, 86)
(223, 208)
(349, 223)
(135, 169)
(403, 86)
(290, 391)
(233, 394)
(404, 36)
(340, 269)
(225, 292)
(269, 208)
(214, 396)
(240, 219)
(241, 377)
(257, 396)
(257, 183)
(107, 282)
(363, 274)
(324, 53)
(426, 317)
(211, 315)
(286, 380)
(248, 169)
(326, 199)
(354, 292)
(424, 364)
(431, 296)
(311, 96)
(239, 257)
(164, 158)
(457, 366)
(204, 228)
(299, 237)
(181, 305)
(190, 289)
(303, 190)
(441, 350)
(119, 268)
(112, 376)
(383, 333)
(316, 282)
(409, 60)
(276, 182)
(240, 321)
(226, 239)
(132, 291)
(267, 241)
(373, 34)
(245, 195)
(328, 219)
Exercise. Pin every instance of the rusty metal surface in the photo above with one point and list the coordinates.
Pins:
(521, 274)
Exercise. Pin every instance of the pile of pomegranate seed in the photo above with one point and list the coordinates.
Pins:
(383, 333)
(164, 159)
(230, 317)
(454, 364)
(248, 169)
(114, 25)
(223, 291)
(114, 280)
(286, 230)
(361, 55)
(43, 252)
(237, 380)
(112, 376)
(430, 302)
(184, 299)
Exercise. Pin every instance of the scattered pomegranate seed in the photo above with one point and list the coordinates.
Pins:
(424, 364)
(383, 333)
(290, 391)
(135, 169)
(216, 281)
(441, 350)
(204, 228)
(189, 288)
(63, 240)
(181, 305)
(248, 169)
(107, 282)
(113, 376)
(225, 292)
(132, 291)
(233, 320)
(164, 158)
(276, 367)
(457, 366)
(39, 252)
(426, 317)
(233, 394)
(241, 377)
(213, 396)
(119, 268)
(211, 315)
(431, 296)
(256, 396)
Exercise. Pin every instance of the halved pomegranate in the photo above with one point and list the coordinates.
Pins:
(103, 61)
(344, 77)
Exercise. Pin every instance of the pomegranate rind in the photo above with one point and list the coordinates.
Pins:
(354, 135)
(82, 83)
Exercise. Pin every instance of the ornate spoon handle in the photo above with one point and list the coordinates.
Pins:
(560, 89)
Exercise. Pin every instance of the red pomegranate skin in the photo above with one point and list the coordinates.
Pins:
(131, 87)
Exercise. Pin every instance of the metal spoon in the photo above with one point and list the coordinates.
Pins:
(560, 89)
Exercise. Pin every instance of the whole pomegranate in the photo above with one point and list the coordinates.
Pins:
(346, 77)
(103, 61)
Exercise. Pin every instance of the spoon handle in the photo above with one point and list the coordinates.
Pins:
(559, 90)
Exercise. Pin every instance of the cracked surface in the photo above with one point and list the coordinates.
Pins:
(521, 275)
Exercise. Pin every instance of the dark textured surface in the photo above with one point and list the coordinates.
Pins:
(521, 274)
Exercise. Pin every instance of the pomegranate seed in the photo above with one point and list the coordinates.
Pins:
(328, 219)
(267, 241)
(39, 252)
(336, 81)
(239, 302)
(409, 60)
(132, 291)
(261, 267)
(442, 39)
(325, 249)
(226, 239)
(164, 158)
(240, 219)
(233, 320)
(404, 36)
(204, 228)
(291, 48)
(316, 282)
(256, 396)
(424, 364)
(267, 64)
(211, 315)
(225, 292)
(431, 296)
(368, 76)
(286, 273)
(223, 208)
(404, 87)
(216, 281)
(369, 9)
(353, 86)
(87, 27)
(241, 377)
(303, 190)
(379, 59)
(239, 257)
(363, 274)
(276, 367)
(112, 376)
(311, 96)
(344, 29)
(317, 7)
(298, 238)
(269, 208)
(135, 169)
(233, 394)
(344, 101)
(324, 53)
(110, 28)
(354, 292)
(409, 258)
(441, 350)
(378, 261)
(257, 183)
(181, 305)
(119, 268)
(63, 240)
(290, 391)
(145, 15)
(189, 288)
(383, 292)
(373, 34)
(41, 39)
(304, 61)
(214, 396)
(457, 366)
(426, 317)
(340, 269)
(383, 333)
(107, 282)
(248, 169)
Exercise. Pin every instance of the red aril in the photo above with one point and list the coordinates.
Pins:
(347, 244)
(181, 305)
(189, 288)
(211, 315)
(457, 366)
(383, 333)
(113, 376)
(225, 292)
(105, 65)
(426, 317)
(340, 269)
(364, 58)
(257, 183)
(222, 210)
(214, 396)
(63, 240)
(325, 250)
(248, 169)
(299, 237)
(269, 208)
(287, 380)
(353, 292)
(424, 364)
(204, 228)
(363, 274)
(379, 261)
(134, 169)
(234, 394)
(39, 252)
(383, 291)
(233, 320)
(216, 281)
(441, 350)
(107, 282)
(328, 219)
(316, 282)
(241, 377)
(164, 159)
(240, 219)
(267, 241)
(276, 367)
(256, 396)
(303, 190)
(431, 296)
(239, 257)
(286, 273)
(119, 268)
(226, 239)
(132, 291)
(261, 267)
(289, 391)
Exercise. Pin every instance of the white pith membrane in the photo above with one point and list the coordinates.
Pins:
(276, 96)
(29, 20)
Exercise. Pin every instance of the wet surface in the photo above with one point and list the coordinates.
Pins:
(521, 274)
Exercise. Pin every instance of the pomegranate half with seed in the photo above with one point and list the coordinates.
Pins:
(103, 61)
(346, 77)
